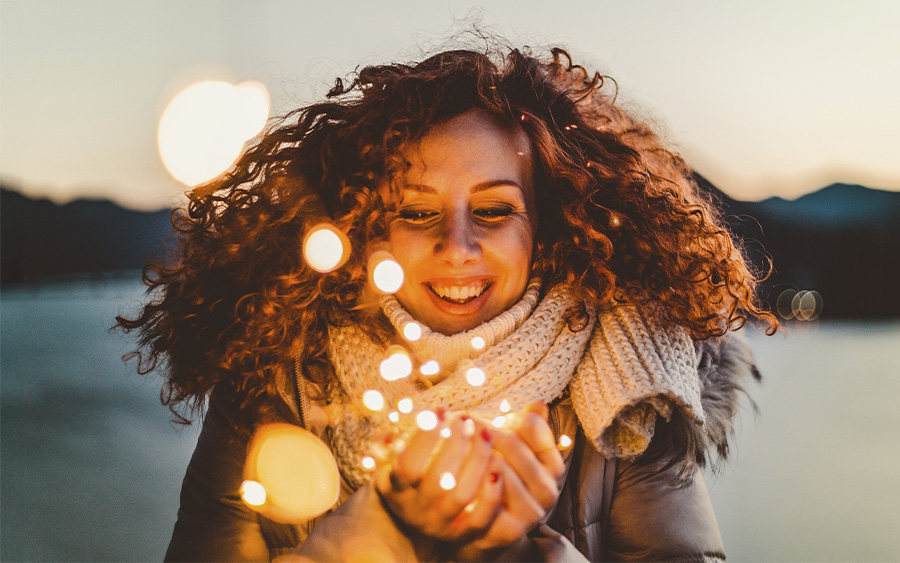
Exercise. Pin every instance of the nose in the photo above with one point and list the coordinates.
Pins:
(458, 243)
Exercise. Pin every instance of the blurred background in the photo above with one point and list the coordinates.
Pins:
(788, 113)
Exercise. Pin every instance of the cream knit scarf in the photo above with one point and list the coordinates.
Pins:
(622, 370)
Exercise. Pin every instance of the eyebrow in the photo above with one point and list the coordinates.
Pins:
(423, 188)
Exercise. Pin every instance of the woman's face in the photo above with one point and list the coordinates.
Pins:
(464, 229)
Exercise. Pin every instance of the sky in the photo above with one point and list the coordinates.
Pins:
(763, 98)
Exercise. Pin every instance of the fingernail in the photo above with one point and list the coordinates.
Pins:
(441, 413)
(388, 438)
(486, 435)
(494, 476)
(465, 417)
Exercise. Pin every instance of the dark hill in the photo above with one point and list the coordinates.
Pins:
(842, 241)
(41, 240)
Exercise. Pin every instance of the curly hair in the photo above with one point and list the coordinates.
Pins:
(621, 221)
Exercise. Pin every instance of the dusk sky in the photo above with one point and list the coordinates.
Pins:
(763, 98)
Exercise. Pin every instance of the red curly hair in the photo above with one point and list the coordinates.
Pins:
(621, 220)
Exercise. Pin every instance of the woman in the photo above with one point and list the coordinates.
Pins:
(531, 216)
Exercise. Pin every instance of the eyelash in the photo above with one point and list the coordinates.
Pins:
(492, 214)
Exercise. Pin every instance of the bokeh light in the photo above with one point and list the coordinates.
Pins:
(499, 421)
(478, 343)
(505, 406)
(447, 481)
(412, 331)
(203, 129)
(405, 405)
(325, 248)
(253, 493)
(373, 400)
(385, 273)
(446, 433)
(475, 376)
(565, 441)
(296, 470)
(394, 416)
(396, 365)
(368, 462)
(801, 305)
(427, 420)
(431, 367)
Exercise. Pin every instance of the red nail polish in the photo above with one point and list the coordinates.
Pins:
(441, 413)
(494, 476)
(486, 435)
(388, 438)
(465, 417)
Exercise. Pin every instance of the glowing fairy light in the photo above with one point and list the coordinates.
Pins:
(475, 377)
(478, 343)
(412, 331)
(499, 421)
(505, 406)
(325, 248)
(447, 481)
(430, 367)
(373, 400)
(203, 129)
(394, 416)
(396, 365)
(295, 469)
(446, 433)
(405, 405)
(253, 493)
(468, 428)
(368, 462)
(427, 420)
(385, 272)
(565, 441)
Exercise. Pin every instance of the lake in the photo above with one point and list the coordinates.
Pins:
(91, 466)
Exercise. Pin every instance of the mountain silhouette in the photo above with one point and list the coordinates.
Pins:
(842, 241)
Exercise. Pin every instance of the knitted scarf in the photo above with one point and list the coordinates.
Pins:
(622, 371)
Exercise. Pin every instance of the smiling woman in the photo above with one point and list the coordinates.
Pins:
(542, 377)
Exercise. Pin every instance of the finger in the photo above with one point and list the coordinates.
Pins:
(536, 433)
(479, 514)
(472, 472)
(519, 504)
(412, 463)
(541, 484)
(443, 473)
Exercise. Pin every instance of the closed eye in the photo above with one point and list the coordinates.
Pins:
(416, 216)
(494, 213)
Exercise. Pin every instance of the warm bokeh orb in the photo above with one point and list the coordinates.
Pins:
(296, 471)
(325, 248)
(203, 129)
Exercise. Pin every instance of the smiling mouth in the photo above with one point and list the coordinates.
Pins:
(459, 294)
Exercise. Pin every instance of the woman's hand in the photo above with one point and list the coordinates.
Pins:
(413, 490)
(530, 468)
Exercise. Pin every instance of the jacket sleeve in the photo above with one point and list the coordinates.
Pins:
(657, 516)
(213, 523)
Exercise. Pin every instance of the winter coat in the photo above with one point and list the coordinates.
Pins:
(651, 508)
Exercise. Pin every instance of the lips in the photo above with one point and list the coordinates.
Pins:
(458, 294)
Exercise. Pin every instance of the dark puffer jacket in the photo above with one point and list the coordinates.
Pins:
(652, 508)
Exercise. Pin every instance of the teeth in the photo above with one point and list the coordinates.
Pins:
(460, 292)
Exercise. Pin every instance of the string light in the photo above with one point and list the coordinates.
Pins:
(475, 377)
(499, 421)
(368, 462)
(373, 400)
(394, 416)
(412, 331)
(405, 405)
(446, 433)
(565, 441)
(396, 365)
(325, 248)
(478, 343)
(385, 272)
(505, 406)
(253, 493)
(427, 420)
(430, 367)
(468, 428)
(448, 481)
